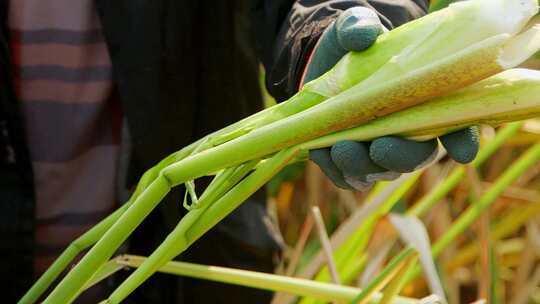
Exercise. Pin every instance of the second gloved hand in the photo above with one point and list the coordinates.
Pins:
(357, 165)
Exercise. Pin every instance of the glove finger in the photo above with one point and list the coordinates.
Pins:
(402, 155)
(352, 159)
(326, 54)
(357, 28)
(462, 146)
(323, 159)
(332, 46)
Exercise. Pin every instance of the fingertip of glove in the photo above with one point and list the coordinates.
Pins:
(358, 13)
(346, 153)
(463, 145)
(352, 158)
(358, 28)
(358, 39)
(400, 154)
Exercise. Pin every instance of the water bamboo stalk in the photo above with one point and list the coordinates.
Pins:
(301, 287)
(400, 75)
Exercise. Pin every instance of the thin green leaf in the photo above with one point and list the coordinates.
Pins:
(397, 284)
(108, 269)
(386, 275)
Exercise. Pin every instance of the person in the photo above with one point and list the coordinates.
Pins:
(94, 92)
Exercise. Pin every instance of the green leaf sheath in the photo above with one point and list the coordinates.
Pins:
(67, 257)
(407, 68)
(508, 96)
(105, 271)
(188, 231)
(176, 241)
(90, 237)
(69, 288)
(302, 287)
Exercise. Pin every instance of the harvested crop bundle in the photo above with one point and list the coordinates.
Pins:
(437, 71)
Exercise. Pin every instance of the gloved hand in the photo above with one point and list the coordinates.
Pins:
(357, 165)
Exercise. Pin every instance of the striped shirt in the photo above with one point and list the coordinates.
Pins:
(62, 76)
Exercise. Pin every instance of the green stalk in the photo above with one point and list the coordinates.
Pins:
(464, 25)
(219, 186)
(433, 108)
(232, 199)
(191, 169)
(188, 231)
(348, 109)
(176, 241)
(402, 51)
(397, 284)
(528, 159)
(105, 271)
(407, 67)
(90, 237)
(508, 96)
(67, 257)
(385, 276)
(72, 284)
(373, 97)
(301, 287)
(354, 267)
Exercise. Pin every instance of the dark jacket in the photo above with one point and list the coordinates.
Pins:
(182, 70)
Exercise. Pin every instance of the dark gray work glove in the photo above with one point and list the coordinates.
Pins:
(357, 165)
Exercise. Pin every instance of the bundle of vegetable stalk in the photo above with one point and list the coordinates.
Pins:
(432, 76)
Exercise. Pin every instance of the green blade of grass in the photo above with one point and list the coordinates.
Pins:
(385, 276)
(106, 270)
(529, 158)
(397, 284)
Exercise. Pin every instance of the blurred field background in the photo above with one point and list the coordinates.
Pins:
(494, 260)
